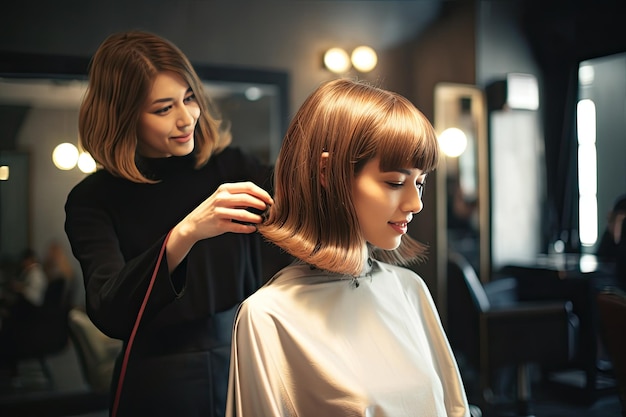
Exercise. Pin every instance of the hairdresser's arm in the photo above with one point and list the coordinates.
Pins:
(114, 287)
(218, 214)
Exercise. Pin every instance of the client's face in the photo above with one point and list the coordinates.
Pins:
(386, 201)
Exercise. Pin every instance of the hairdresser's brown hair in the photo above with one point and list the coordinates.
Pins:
(121, 74)
(354, 122)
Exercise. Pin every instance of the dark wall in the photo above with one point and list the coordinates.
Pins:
(11, 118)
(444, 53)
(280, 34)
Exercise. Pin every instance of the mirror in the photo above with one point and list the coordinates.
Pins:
(39, 101)
(461, 126)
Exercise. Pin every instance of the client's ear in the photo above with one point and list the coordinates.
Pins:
(323, 165)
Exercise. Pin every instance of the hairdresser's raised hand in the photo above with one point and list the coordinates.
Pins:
(227, 210)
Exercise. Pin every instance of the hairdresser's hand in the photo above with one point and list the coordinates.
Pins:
(225, 210)
(222, 212)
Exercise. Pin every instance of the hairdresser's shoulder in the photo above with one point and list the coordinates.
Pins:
(241, 165)
(94, 184)
(236, 155)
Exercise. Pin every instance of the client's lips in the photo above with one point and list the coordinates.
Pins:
(400, 227)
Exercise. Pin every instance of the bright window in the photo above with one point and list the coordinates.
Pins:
(587, 172)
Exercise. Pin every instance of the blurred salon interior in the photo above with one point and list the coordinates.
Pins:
(528, 98)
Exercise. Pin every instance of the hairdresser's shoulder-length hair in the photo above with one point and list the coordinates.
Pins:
(315, 220)
(121, 74)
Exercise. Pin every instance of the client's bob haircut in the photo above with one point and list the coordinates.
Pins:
(121, 74)
(314, 219)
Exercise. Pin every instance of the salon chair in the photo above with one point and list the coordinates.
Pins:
(95, 350)
(489, 330)
(44, 333)
(580, 380)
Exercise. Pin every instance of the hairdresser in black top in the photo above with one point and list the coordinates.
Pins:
(170, 184)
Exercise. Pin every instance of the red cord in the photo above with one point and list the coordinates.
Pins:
(120, 382)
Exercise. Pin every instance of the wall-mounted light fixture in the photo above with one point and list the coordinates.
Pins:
(4, 172)
(453, 142)
(363, 59)
(337, 60)
(66, 156)
(86, 163)
(516, 92)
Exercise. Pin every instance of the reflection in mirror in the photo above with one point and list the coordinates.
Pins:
(253, 112)
(40, 98)
(38, 113)
(460, 123)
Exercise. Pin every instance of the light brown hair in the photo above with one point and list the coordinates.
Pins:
(121, 74)
(354, 122)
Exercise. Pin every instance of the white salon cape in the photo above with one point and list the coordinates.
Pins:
(313, 343)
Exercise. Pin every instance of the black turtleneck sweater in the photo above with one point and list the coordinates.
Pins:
(179, 359)
(116, 228)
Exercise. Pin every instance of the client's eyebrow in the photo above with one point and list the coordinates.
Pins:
(407, 172)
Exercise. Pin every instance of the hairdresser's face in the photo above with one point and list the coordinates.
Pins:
(385, 202)
(168, 118)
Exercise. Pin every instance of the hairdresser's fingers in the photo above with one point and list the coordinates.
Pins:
(227, 210)
(208, 220)
(239, 200)
(234, 220)
(243, 215)
(246, 187)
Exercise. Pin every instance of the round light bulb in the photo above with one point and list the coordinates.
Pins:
(364, 58)
(453, 142)
(86, 163)
(65, 156)
(337, 60)
(253, 93)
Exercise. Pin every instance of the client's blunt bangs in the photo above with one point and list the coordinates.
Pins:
(406, 139)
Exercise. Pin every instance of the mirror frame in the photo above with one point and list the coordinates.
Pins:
(24, 66)
(445, 92)
(39, 66)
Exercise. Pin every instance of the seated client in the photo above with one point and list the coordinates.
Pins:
(347, 330)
